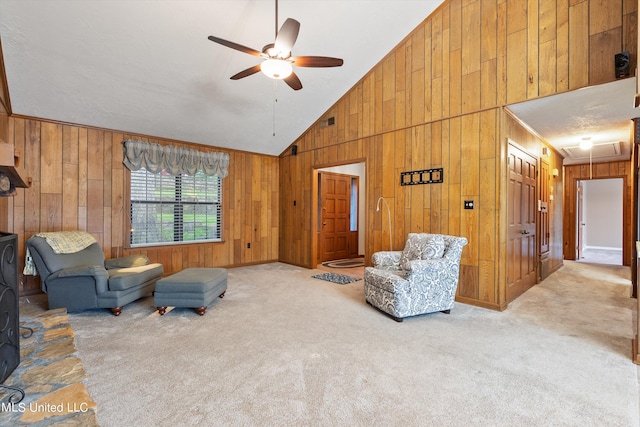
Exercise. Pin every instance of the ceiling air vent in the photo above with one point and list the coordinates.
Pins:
(607, 149)
(328, 122)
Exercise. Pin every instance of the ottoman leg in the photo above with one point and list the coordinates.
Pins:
(162, 310)
(201, 310)
(222, 295)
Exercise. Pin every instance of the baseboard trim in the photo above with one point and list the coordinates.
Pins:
(248, 264)
(295, 264)
(556, 268)
(604, 248)
(482, 304)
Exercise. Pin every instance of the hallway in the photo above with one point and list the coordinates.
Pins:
(602, 256)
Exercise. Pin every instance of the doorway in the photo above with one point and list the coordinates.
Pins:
(599, 222)
(328, 239)
(335, 216)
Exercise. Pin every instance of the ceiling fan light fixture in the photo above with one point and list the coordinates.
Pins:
(276, 68)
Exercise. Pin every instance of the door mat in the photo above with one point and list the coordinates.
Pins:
(336, 278)
(345, 263)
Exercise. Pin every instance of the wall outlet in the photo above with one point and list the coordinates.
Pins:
(248, 245)
(468, 204)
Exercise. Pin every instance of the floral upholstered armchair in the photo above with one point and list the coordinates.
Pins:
(422, 278)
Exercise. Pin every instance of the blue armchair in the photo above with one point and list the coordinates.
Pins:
(82, 279)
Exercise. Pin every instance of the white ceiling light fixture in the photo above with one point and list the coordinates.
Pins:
(586, 143)
(276, 68)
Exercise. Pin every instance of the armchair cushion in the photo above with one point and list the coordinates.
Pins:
(434, 247)
(125, 278)
(387, 260)
(126, 261)
(421, 246)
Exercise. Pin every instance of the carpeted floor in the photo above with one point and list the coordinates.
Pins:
(283, 348)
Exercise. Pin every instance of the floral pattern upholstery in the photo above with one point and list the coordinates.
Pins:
(418, 285)
(421, 246)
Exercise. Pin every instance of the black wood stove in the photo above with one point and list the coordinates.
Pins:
(9, 313)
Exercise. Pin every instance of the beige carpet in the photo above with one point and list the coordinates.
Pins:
(284, 349)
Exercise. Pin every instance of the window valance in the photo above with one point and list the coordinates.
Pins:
(175, 160)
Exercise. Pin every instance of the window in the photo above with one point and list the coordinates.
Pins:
(353, 212)
(169, 208)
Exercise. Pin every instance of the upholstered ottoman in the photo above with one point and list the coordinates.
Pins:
(192, 287)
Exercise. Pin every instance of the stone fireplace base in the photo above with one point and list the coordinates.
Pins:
(50, 373)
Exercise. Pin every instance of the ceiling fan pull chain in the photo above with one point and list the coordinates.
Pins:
(275, 100)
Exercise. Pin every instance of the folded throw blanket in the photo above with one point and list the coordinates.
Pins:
(62, 242)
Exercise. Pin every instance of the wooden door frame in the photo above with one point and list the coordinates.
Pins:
(569, 216)
(315, 170)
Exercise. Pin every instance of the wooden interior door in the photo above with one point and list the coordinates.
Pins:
(579, 219)
(522, 207)
(335, 197)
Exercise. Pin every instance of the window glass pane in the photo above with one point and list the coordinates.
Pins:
(169, 209)
(353, 219)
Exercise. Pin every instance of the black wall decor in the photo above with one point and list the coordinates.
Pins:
(426, 176)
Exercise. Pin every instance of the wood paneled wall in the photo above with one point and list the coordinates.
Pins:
(80, 182)
(436, 100)
(574, 173)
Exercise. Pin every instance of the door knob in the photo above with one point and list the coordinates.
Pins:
(524, 232)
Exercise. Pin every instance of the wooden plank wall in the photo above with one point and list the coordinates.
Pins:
(436, 101)
(574, 173)
(80, 183)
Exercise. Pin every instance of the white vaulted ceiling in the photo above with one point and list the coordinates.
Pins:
(146, 66)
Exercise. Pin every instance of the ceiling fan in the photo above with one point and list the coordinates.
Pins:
(278, 62)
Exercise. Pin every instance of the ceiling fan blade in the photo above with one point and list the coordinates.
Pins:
(246, 73)
(293, 81)
(235, 46)
(316, 61)
(287, 37)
